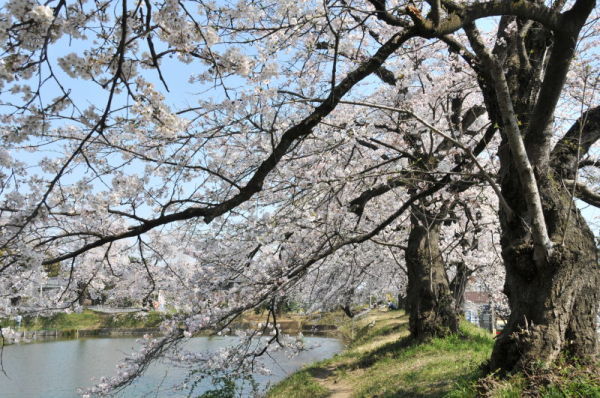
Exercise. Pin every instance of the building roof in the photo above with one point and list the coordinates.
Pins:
(477, 297)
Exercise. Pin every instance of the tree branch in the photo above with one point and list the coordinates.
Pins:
(446, 137)
(584, 193)
(510, 126)
(255, 184)
(538, 134)
(564, 154)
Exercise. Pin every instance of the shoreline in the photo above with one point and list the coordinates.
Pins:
(90, 323)
(35, 336)
(11, 336)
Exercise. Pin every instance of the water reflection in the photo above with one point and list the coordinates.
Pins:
(57, 369)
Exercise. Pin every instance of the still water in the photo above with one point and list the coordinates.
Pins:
(56, 369)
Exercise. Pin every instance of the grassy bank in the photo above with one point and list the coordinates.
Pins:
(323, 323)
(87, 319)
(382, 361)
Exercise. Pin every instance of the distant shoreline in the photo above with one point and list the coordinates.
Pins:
(32, 336)
(40, 336)
(92, 324)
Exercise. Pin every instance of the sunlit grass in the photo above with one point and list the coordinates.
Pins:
(299, 385)
(561, 380)
(383, 361)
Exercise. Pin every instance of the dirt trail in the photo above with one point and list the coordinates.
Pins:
(338, 388)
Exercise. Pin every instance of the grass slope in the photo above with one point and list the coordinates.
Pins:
(382, 361)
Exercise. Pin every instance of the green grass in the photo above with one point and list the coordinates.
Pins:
(88, 320)
(406, 369)
(382, 361)
(135, 320)
(300, 385)
(558, 381)
(580, 387)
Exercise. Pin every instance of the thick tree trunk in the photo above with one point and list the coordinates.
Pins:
(429, 299)
(554, 297)
(553, 305)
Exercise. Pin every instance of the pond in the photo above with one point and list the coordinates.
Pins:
(56, 369)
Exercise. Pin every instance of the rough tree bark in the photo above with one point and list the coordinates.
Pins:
(554, 304)
(553, 298)
(429, 300)
(552, 273)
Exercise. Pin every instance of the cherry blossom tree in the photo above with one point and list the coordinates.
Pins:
(452, 106)
(229, 151)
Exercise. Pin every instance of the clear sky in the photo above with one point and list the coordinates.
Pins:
(181, 94)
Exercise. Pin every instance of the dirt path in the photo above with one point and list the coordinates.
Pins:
(338, 388)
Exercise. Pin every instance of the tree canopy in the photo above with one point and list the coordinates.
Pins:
(234, 153)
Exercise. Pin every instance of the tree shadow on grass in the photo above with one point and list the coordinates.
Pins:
(401, 393)
(320, 373)
(385, 350)
(367, 333)
(475, 338)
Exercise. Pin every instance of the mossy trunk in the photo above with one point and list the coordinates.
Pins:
(553, 304)
(429, 300)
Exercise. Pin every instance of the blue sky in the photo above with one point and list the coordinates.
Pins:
(181, 94)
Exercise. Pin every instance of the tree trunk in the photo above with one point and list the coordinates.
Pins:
(429, 300)
(553, 305)
(401, 302)
(82, 293)
(347, 310)
(459, 285)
